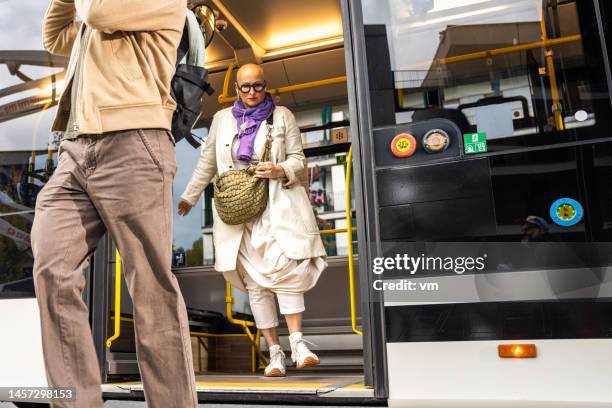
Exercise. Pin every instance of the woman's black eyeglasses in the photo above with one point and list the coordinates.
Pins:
(257, 87)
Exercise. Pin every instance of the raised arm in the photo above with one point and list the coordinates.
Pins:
(59, 27)
(132, 15)
(294, 152)
(205, 169)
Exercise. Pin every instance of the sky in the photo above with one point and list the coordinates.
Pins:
(20, 29)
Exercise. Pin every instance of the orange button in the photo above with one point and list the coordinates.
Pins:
(435, 141)
(403, 145)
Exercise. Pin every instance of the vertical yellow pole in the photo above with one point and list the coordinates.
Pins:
(32, 165)
(400, 98)
(349, 230)
(552, 76)
(117, 332)
(226, 84)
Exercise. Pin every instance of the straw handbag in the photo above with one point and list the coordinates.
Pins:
(239, 196)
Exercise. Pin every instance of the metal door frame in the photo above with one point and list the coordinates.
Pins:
(372, 306)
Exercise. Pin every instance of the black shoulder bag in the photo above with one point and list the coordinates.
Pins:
(187, 88)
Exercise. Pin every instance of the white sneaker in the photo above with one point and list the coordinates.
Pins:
(276, 368)
(300, 354)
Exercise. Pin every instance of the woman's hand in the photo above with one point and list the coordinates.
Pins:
(184, 207)
(269, 170)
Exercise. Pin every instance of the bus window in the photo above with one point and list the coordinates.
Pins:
(190, 247)
(31, 80)
(524, 84)
(518, 72)
(19, 186)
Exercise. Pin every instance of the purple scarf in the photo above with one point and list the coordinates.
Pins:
(249, 120)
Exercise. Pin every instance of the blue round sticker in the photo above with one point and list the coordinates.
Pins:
(566, 212)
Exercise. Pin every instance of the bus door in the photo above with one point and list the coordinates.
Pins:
(301, 49)
(484, 166)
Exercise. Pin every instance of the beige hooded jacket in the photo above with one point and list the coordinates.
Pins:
(128, 64)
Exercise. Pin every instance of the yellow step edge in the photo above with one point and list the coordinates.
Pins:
(274, 383)
(357, 386)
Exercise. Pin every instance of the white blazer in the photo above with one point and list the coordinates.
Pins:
(292, 219)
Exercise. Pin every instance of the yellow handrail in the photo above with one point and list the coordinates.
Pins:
(192, 333)
(109, 341)
(254, 350)
(229, 301)
(508, 50)
(32, 166)
(226, 81)
(552, 76)
(224, 98)
(336, 231)
(349, 159)
(545, 43)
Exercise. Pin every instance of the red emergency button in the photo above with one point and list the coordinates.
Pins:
(403, 145)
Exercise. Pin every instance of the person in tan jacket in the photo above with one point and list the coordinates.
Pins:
(116, 164)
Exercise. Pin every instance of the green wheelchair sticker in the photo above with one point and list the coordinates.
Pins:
(475, 143)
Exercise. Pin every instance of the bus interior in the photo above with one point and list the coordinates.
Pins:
(300, 46)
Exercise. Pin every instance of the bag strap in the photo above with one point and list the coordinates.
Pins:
(183, 47)
(265, 156)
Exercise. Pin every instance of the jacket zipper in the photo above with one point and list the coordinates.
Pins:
(82, 50)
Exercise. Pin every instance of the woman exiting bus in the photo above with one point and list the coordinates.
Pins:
(280, 252)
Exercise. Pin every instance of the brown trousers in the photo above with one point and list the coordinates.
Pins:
(120, 181)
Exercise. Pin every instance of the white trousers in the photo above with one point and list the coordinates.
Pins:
(266, 271)
(263, 305)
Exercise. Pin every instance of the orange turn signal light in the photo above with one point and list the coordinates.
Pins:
(517, 350)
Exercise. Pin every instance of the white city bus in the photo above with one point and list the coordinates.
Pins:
(471, 140)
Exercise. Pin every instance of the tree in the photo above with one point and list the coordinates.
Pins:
(195, 255)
